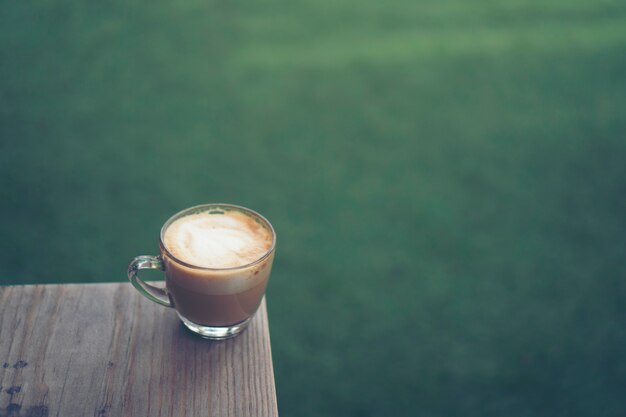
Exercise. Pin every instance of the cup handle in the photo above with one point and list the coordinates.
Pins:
(156, 294)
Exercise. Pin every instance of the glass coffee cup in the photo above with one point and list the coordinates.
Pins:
(217, 260)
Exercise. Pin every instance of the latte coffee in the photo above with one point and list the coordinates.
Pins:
(218, 290)
(217, 260)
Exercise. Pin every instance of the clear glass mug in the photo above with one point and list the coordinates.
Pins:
(216, 303)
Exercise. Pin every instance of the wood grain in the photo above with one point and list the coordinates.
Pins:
(104, 350)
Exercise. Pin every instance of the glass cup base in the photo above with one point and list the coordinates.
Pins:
(216, 332)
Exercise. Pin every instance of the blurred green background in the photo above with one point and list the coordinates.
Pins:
(447, 180)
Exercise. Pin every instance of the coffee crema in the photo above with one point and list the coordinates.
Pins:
(217, 241)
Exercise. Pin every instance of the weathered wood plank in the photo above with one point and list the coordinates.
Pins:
(103, 350)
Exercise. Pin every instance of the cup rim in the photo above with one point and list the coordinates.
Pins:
(200, 207)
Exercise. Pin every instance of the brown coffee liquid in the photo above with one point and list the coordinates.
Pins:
(216, 309)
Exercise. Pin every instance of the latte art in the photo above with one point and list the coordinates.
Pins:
(217, 241)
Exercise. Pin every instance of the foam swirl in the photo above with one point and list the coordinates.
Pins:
(217, 240)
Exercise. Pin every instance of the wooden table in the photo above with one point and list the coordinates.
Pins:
(104, 350)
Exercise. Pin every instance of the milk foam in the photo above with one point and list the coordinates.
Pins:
(217, 240)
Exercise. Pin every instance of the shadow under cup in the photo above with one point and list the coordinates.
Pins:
(216, 303)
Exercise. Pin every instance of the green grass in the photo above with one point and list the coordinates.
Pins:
(447, 180)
